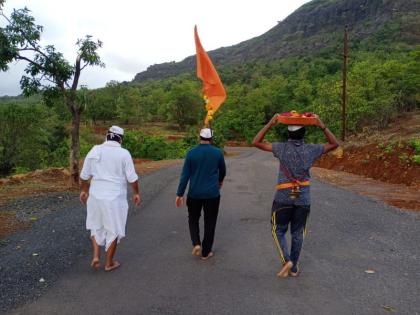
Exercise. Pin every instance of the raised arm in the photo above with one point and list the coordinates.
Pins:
(258, 140)
(332, 140)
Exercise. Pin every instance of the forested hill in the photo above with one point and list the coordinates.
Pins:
(315, 28)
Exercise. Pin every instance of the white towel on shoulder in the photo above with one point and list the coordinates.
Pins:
(94, 153)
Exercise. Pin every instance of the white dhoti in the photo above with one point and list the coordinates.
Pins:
(106, 219)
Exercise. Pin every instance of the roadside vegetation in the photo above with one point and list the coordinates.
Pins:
(162, 117)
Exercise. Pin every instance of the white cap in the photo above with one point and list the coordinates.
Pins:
(293, 127)
(117, 130)
(206, 133)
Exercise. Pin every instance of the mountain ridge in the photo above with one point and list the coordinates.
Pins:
(312, 28)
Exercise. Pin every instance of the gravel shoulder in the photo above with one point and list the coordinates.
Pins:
(33, 258)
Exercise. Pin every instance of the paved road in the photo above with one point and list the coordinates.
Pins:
(348, 234)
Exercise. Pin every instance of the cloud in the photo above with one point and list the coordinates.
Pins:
(126, 64)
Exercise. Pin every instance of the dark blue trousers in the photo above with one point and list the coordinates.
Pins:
(283, 216)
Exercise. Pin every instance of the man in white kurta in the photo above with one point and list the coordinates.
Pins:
(109, 167)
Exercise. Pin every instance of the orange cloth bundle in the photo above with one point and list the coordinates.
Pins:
(294, 118)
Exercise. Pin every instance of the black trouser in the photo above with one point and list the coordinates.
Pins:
(211, 209)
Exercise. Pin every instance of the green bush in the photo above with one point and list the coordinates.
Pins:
(23, 139)
(144, 146)
(31, 136)
(21, 170)
(416, 159)
(415, 144)
(87, 140)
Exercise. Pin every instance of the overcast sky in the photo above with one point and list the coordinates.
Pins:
(137, 34)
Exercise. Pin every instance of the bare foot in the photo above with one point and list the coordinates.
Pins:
(294, 274)
(284, 272)
(196, 250)
(115, 265)
(95, 264)
(210, 255)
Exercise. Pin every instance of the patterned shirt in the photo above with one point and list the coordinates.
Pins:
(296, 158)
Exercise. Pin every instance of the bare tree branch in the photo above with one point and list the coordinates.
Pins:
(7, 19)
(26, 49)
(30, 61)
(35, 48)
(51, 80)
(45, 77)
(84, 66)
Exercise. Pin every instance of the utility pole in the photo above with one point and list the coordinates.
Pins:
(344, 93)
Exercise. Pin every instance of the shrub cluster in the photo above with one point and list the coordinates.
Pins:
(145, 146)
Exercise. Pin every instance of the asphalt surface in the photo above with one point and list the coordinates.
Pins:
(348, 235)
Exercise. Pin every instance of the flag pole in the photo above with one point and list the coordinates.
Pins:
(344, 86)
(211, 132)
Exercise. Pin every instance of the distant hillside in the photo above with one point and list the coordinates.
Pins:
(314, 28)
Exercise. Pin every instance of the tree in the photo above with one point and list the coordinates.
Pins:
(129, 108)
(184, 104)
(47, 71)
(100, 105)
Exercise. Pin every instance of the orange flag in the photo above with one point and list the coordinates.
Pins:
(213, 90)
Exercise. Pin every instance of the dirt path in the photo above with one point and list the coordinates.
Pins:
(396, 195)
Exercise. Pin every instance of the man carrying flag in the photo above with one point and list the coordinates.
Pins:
(204, 167)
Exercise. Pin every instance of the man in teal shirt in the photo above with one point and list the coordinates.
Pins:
(204, 168)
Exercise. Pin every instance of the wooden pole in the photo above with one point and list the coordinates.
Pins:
(344, 92)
